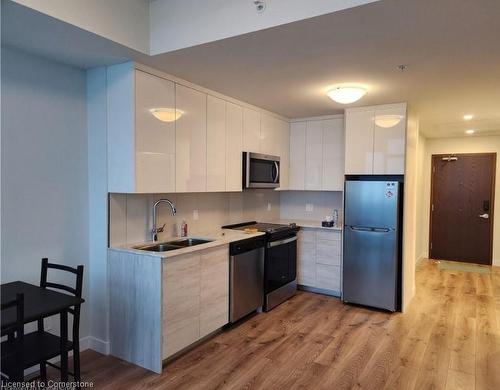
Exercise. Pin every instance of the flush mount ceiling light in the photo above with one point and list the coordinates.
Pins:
(387, 121)
(468, 117)
(470, 131)
(166, 114)
(346, 95)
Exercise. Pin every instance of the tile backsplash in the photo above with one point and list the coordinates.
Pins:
(310, 205)
(130, 215)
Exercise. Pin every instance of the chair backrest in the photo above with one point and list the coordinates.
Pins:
(76, 290)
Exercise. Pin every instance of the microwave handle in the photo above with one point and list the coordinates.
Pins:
(277, 172)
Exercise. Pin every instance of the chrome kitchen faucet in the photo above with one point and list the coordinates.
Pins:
(156, 230)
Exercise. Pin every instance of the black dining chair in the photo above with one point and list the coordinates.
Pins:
(39, 347)
(12, 348)
(74, 344)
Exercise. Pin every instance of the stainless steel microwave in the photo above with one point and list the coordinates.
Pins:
(260, 170)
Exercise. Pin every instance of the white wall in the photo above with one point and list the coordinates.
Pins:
(122, 21)
(176, 24)
(410, 210)
(471, 144)
(44, 168)
(420, 250)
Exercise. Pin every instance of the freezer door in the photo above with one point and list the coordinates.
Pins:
(370, 267)
(371, 203)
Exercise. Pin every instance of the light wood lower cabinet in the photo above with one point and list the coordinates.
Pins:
(214, 294)
(195, 297)
(319, 259)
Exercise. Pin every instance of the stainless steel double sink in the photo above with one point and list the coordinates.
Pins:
(172, 245)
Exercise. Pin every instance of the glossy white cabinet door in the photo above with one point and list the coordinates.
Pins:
(270, 135)
(284, 153)
(154, 139)
(390, 142)
(314, 155)
(251, 130)
(216, 144)
(359, 131)
(191, 141)
(297, 155)
(333, 154)
(234, 147)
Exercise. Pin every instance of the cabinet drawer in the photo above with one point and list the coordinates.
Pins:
(329, 235)
(328, 277)
(327, 249)
(305, 235)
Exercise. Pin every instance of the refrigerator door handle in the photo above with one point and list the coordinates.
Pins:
(361, 229)
(381, 230)
(368, 229)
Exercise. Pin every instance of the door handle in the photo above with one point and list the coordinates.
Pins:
(484, 216)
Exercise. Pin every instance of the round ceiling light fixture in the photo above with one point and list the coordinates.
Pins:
(166, 114)
(470, 131)
(468, 117)
(387, 121)
(346, 95)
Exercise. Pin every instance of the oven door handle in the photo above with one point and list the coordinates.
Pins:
(281, 242)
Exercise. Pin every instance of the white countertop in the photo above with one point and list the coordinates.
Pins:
(306, 224)
(218, 237)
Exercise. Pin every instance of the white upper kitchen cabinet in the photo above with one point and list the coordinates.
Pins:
(251, 130)
(389, 140)
(191, 140)
(314, 155)
(333, 155)
(359, 130)
(297, 155)
(375, 139)
(216, 144)
(141, 131)
(317, 154)
(269, 135)
(283, 129)
(234, 146)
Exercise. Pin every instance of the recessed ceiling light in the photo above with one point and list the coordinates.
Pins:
(468, 117)
(469, 131)
(346, 95)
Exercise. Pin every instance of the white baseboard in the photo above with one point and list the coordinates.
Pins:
(496, 262)
(95, 344)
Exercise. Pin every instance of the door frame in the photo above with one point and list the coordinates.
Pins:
(492, 207)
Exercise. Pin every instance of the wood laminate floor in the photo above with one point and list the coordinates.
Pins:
(448, 339)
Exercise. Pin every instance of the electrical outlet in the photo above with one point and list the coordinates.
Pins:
(195, 215)
(269, 206)
(309, 207)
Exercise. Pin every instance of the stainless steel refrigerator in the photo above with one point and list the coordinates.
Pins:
(372, 243)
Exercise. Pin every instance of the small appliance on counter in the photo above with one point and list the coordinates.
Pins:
(280, 263)
(328, 222)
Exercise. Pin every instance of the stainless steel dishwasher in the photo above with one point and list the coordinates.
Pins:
(246, 277)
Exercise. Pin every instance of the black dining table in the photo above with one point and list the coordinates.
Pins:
(40, 303)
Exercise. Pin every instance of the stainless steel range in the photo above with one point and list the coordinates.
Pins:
(280, 264)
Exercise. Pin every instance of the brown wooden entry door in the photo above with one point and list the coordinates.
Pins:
(462, 195)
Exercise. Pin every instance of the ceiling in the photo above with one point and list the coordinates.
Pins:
(450, 46)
